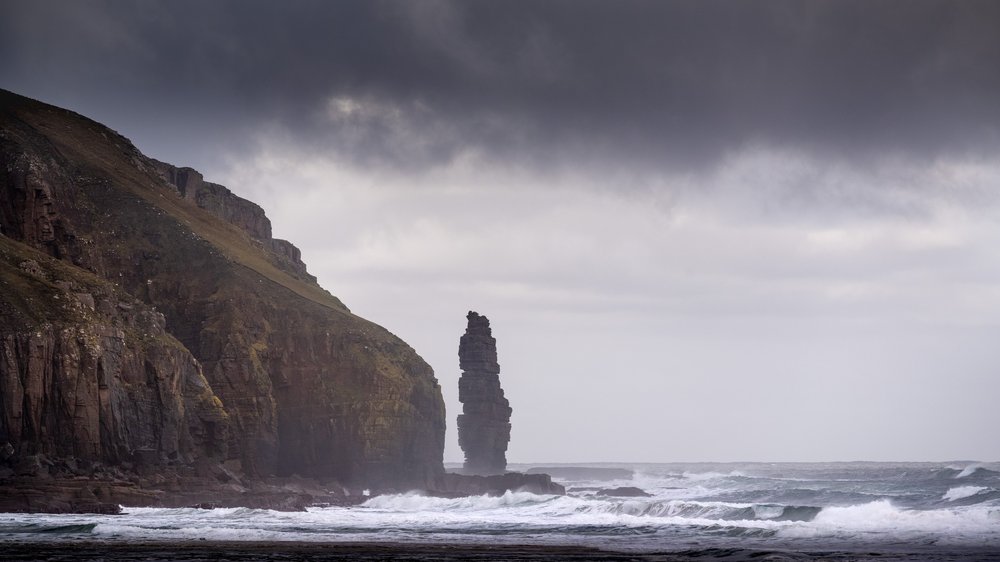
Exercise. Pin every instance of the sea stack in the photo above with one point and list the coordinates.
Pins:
(484, 424)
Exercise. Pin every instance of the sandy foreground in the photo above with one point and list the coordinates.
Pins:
(289, 551)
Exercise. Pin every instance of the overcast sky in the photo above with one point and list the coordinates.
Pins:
(701, 230)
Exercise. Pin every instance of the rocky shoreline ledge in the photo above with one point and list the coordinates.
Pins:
(37, 484)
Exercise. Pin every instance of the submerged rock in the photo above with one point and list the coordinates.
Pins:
(624, 492)
(484, 425)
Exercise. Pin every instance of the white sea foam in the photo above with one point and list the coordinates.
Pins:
(768, 511)
(574, 511)
(698, 476)
(960, 492)
(764, 507)
(882, 520)
(968, 471)
(420, 502)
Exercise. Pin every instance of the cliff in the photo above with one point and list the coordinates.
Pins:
(484, 424)
(207, 339)
(246, 215)
(89, 377)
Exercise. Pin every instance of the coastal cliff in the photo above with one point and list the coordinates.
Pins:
(90, 378)
(225, 348)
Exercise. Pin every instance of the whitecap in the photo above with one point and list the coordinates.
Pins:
(960, 492)
(696, 476)
(416, 502)
(880, 519)
(968, 471)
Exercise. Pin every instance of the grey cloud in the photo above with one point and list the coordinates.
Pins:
(633, 82)
(815, 211)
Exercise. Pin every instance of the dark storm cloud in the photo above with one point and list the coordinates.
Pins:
(626, 81)
(826, 225)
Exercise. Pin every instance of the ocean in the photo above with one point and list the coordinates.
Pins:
(922, 510)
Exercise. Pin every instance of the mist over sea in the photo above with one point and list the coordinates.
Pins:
(923, 509)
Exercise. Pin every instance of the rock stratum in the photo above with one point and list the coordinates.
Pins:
(484, 424)
(153, 335)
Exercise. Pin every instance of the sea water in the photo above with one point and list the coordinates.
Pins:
(817, 507)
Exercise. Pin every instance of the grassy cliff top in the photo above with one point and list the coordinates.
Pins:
(114, 157)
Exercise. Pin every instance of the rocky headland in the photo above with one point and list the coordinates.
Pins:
(159, 347)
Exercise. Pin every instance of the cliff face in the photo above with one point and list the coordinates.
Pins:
(246, 215)
(484, 425)
(306, 387)
(87, 372)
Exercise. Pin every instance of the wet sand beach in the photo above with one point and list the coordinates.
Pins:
(290, 551)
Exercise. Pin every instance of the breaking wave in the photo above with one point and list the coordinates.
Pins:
(961, 492)
(822, 506)
(970, 472)
(881, 518)
(567, 506)
(696, 476)
(420, 502)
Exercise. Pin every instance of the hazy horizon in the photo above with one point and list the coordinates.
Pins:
(702, 231)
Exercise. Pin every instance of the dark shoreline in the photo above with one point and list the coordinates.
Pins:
(239, 551)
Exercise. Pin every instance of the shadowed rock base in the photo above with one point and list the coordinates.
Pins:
(106, 494)
(455, 485)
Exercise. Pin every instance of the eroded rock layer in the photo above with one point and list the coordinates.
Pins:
(484, 424)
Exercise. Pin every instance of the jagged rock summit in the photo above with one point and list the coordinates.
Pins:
(484, 424)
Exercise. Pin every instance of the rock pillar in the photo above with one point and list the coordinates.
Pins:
(484, 424)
